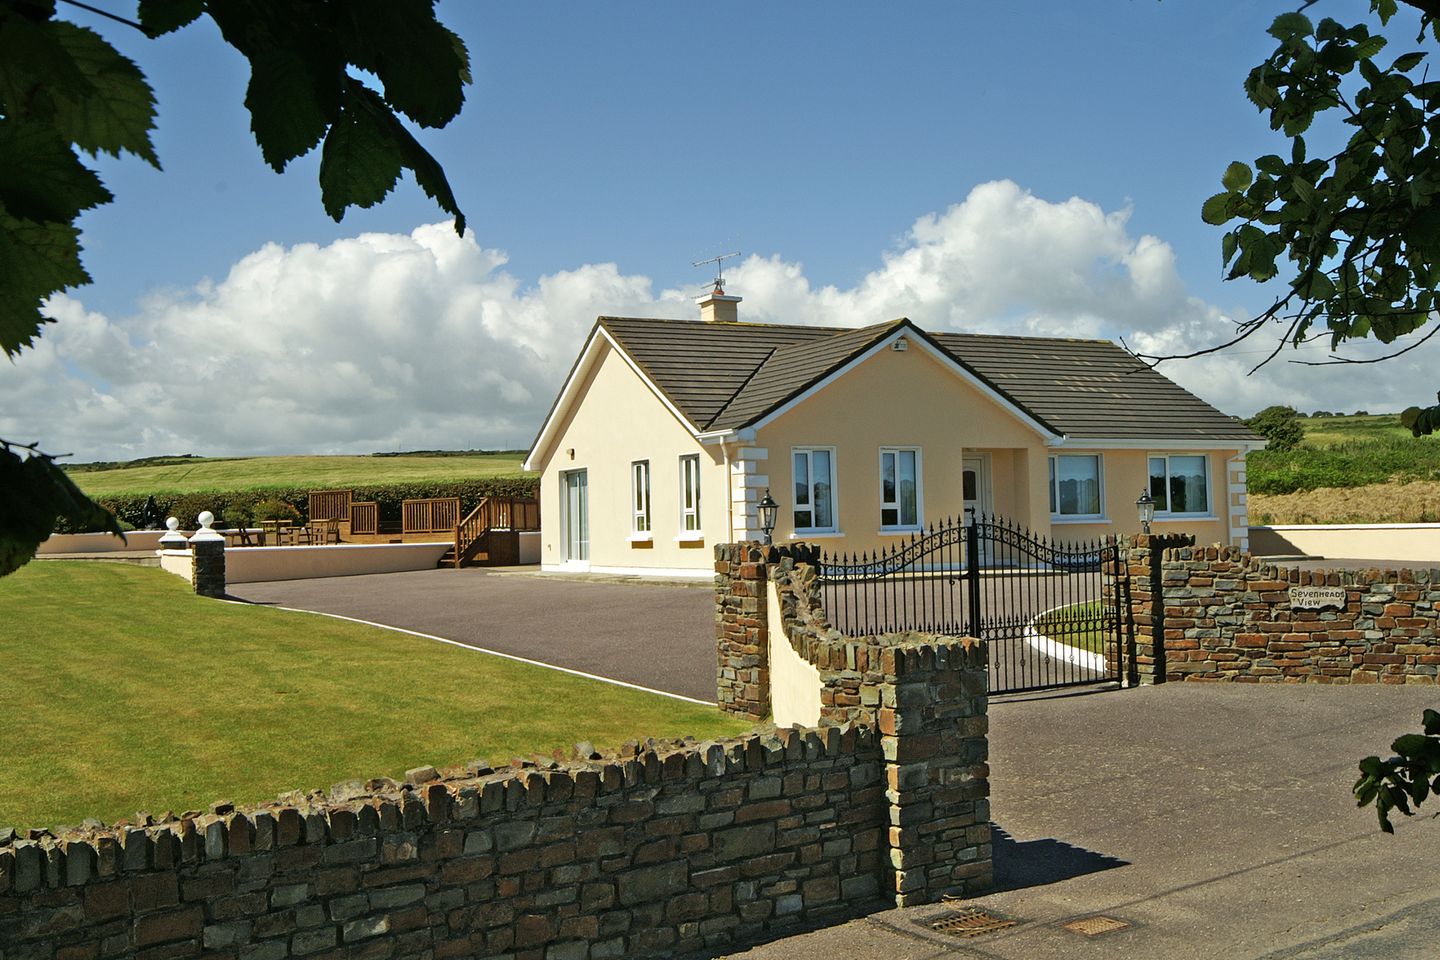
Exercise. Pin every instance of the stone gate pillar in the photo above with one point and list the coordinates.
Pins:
(208, 549)
(1142, 554)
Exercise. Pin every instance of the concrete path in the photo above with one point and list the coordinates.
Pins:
(657, 636)
(1215, 820)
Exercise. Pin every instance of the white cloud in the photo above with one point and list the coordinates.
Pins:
(388, 341)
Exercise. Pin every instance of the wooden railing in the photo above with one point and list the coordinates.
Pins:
(364, 517)
(437, 515)
(330, 504)
(491, 514)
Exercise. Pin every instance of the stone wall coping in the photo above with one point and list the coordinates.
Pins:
(96, 851)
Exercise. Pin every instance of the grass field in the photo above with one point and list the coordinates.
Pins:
(1352, 469)
(123, 691)
(316, 472)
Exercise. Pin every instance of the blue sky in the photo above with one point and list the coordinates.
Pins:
(1035, 167)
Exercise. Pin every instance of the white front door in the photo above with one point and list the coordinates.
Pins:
(975, 481)
(575, 516)
(975, 484)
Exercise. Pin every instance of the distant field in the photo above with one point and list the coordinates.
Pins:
(179, 475)
(1351, 469)
(1333, 431)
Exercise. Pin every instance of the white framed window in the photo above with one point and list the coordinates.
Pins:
(640, 498)
(690, 494)
(900, 488)
(1076, 487)
(1180, 484)
(814, 493)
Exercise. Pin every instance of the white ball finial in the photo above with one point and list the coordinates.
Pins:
(172, 539)
(205, 533)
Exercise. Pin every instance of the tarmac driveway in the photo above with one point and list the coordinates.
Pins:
(656, 636)
(1215, 820)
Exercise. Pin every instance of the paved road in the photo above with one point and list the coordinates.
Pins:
(662, 637)
(1214, 819)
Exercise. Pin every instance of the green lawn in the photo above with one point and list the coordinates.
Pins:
(1077, 625)
(246, 473)
(123, 691)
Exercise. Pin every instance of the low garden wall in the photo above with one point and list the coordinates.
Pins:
(99, 542)
(668, 847)
(1216, 613)
(251, 564)
(1408, 542)
(926, 694)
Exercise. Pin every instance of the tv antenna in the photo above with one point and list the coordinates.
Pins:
(719, 278)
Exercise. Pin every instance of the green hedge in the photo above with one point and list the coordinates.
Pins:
(130, 508)
(1355, 463)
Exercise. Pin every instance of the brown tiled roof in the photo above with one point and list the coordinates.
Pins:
(729, 375)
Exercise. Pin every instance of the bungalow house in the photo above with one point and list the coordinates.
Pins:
(667, 433)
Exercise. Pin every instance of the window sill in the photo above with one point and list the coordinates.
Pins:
(898, 531)
(692, 537)
(640, 538)
(815, 534)
(1183, 517)
(1068, 519)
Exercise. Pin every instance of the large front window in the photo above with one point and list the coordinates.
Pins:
(1180, 484)
(690, 493)
(1075, 485)
(899, 488)
(814, 490)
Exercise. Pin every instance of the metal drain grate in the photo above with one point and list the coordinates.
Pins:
(968, 923)
(1095, 926)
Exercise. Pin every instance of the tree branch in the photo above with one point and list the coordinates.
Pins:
(105, 13)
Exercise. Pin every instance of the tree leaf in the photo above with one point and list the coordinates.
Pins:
(44, 180)
(1367, 48)
(1216, 210)
(1237, 177)
(424, 66)
(1288, 26)
(34, 491)
(1411, 744)
(360, 161)
(34, 67)
(291, 104)
(117, 112)
(36, 260)
(159, 17)
(1407, 61)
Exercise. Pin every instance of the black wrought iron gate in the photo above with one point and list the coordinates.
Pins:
(1053, 614)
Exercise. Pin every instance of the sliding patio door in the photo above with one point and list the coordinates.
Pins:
(575, 515)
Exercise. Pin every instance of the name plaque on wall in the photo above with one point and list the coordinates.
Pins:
(1314, 598)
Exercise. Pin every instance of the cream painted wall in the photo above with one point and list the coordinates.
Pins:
(1417, 543)
(794, 681)
(1125, 474)
(619, 421)
(910, 399)
(905, 399)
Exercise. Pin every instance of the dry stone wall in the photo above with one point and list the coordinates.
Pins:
(1218, 614)
(926, 694)
(668, 849)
